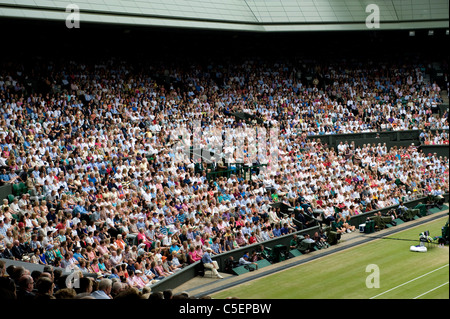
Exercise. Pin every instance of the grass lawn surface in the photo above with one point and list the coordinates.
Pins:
(380, 269)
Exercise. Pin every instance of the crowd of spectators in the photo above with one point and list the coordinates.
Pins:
(108, 194)
(434, 138)
(19, 283)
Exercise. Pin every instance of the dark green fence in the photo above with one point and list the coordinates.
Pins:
(440, 150)
(5, 190)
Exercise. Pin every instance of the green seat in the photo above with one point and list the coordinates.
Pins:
(23, 188)
(263, 263)
(10, 198)
(336, 210)
(434, 210)
(131, 239)
(240, 270)
(16, 189)
(370, 227)
(19, 189)
(332, 236)
(411, 213)
(422, 209)
(278, 253)
(295, 253)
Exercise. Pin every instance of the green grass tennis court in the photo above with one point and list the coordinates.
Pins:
(380, 269)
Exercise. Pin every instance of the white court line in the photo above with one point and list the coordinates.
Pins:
(431, 290)
(409, 281)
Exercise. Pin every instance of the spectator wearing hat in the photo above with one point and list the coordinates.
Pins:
(244, 261)
(208, 263)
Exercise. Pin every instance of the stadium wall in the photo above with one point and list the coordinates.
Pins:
(440, 150)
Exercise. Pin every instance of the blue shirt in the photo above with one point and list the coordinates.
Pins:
(206, 258)
(78, 256)
(174, 248)
(100, 294)
(80, 209)
(276, 232)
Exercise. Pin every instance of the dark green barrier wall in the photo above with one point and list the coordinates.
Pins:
(440, 150)
(5, 190)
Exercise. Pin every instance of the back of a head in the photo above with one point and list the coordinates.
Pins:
(83, 284)
(10, 270)
(36, 274)
(48, 269)
(44, 285)
(105, 284)
(57, 273)
(156, 295)
(65, 293)
(116, 288)
(24, 281)
(168, 294)
(17, 272)
(181, 295)
(7, 289)
(128, 294)
(61, 282)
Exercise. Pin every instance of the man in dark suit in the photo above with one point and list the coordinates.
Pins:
(7, 253)
(25, 288)
(17, 250)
